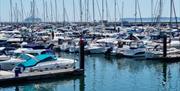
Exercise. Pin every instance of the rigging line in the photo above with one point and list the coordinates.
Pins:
(175, 14)
(139, 11)
(98, 8)
(66, 15)
(171, 3)
(156, 11)
(119, 13)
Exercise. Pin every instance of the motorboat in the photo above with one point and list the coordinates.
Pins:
(21, 55)
(13, 61)
(45, 62)
(130, 48)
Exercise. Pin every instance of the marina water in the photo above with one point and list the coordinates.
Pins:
(104, 73)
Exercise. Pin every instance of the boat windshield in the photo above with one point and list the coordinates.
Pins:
(25, 56)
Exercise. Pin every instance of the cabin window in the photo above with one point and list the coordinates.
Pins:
(46, 68)
(48, 59)
(57, 66)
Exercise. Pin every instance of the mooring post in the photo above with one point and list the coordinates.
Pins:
(17, 71)
(52, 34)
(164, 46)
(81, 42)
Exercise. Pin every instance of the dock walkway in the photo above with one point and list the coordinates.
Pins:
(34, 76)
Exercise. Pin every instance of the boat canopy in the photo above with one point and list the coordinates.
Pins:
(38, 59)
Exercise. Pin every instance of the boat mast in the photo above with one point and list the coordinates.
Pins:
(51, 10)
(160, 13)
(102, 11)
(172, 10)
(85, 10)
(122, 16)
(107, 11)
(0, 13)
(64, 13)
(93, 11)
(135, 11)
(34, 5)
(44, 12)
(139, 11)
(87, 7)
(81, 12)
(16, 13)
(152, 8)
(33, 11)
(171, 4)
(99, 11)
(74, 11)
(56, 10)
(11, 11)
(115, 5)
(175, 15)
(22, 11)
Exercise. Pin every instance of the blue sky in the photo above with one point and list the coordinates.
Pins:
(129, 11)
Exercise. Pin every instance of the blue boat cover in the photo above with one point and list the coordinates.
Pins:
(38, 59)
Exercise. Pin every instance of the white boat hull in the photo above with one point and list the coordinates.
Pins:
(10, 64)
(97, 50)
(52, 65)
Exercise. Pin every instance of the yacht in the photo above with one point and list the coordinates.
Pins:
(45, 62)
(20, 55)
(129, 48)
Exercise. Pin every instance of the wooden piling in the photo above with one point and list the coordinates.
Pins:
(81, 53)
(164, 46)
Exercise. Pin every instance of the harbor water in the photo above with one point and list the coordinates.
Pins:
(104, 73)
